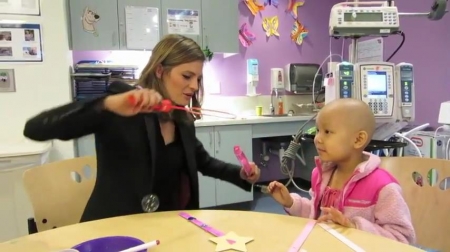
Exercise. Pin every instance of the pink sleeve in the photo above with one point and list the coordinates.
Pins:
(392, 216)
(301, 206)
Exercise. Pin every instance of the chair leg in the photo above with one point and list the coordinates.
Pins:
(32, 228)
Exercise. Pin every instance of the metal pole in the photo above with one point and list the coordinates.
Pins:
(354, 50)
(354, 44)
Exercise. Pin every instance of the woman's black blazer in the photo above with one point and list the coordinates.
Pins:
(125, 149)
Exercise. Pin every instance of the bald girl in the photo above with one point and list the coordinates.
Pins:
(344, 128)
(347, 185)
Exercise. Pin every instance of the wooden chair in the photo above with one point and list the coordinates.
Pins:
(59, 192)
(426, 189)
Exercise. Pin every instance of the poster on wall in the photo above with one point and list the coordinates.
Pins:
(186, 22)
(20, 43)
(20, 7)
(142, 27)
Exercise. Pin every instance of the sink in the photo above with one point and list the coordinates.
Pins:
(288, 115)
(282, 115)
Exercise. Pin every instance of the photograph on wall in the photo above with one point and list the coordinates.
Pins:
(20, 43)
(20, 7)
(186, 22)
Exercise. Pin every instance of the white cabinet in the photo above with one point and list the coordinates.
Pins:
(15, 205)
(207, 185)
(219, 142)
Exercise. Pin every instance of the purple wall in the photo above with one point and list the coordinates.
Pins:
(275, 52)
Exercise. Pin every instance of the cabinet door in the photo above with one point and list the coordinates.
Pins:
(182, 5)
(220, 25)
(226, 137)
(121, 4)
(94, 24)
(8, 229)
(207, 185)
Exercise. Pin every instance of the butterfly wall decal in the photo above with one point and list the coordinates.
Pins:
(271, 2)
(293, 6)
(270, 25)
(298, 33)
(245, 36)
(253, 6)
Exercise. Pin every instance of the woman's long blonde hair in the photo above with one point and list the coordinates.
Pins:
(171, 51)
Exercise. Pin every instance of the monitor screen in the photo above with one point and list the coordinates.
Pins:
(363, 17)
(376, 84)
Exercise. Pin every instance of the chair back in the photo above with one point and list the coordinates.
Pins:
(426, 188)
(59, 191)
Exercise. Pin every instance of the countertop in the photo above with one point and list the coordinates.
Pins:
(250, 120)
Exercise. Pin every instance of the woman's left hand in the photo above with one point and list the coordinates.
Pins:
(254, 174)
(334, 215)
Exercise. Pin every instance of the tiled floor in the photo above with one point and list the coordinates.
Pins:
(265, 203)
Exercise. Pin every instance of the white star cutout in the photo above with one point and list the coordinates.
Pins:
(231, 241)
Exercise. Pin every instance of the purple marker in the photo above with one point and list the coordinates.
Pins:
(243, 160)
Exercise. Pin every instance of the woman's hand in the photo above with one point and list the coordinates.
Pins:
(280, 193)
(142, 101)
(254, 174)
(334, 215)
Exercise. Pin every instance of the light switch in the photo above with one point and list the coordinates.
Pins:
(7, 81)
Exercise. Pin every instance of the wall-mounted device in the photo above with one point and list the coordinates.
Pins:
(276, 78)
(252, 76)
(375, 86)
(341, 84)
(7, 80)
(350, 19)
(299, 78)
(404, 80)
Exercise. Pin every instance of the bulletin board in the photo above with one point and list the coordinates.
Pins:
(20, 7)
(20, 42)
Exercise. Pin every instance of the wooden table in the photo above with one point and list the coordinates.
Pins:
(272, 232)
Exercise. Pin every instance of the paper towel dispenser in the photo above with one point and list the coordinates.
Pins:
(299, 78)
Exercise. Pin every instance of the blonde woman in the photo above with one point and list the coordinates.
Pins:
(143, 155)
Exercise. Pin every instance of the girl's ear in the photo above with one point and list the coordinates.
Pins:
(361, 140)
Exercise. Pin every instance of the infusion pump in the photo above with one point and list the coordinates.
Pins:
(354, 19)
(387, 88)
(376, 87)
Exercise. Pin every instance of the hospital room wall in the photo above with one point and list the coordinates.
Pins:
(40, 86)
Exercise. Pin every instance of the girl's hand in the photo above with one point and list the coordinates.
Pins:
(280, 193)
(334, 215)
